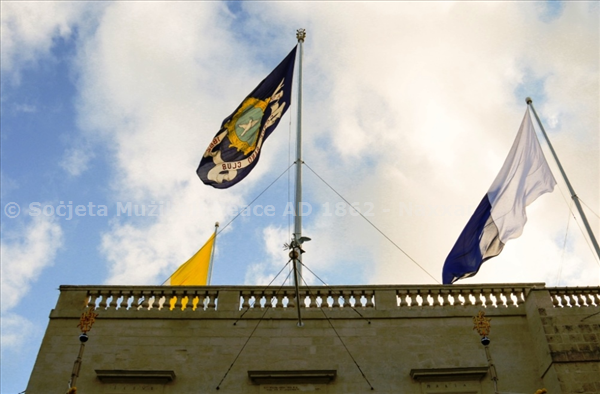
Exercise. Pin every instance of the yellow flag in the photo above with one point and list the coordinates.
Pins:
(194, 272)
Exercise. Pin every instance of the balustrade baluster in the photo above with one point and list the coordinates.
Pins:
(575, 299)
(135, 303)
(304, 297)
(162, 301)
(564, 300)
(125, 300)
(192, 301)
(202, 301)
(92, 299)
(178, 300)
(212, 300)
(336, 299)
(520, 293)
(102, 304)
(472, 297)
(312, 300)
(354, 299)
(589, 298)
(152, 300)
(554, 298)
(319, 299)
(345, 299)
(461, 299)
(419, 300)
(279, 300)
(487, 299)
(445, 297)
(145, 302)
(188, 301)
(369, 295)
(452, 297)
(583, 299)
(113, 301)
(246, 299)
(495, 296)
(413, 298)
(504, 297)
(435, 297)
(402, 295)
(429, 298)
(478, 295)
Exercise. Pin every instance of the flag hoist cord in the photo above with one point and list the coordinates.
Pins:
(564, 175)
(268, 305)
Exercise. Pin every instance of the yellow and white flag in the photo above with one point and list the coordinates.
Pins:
(194, 272)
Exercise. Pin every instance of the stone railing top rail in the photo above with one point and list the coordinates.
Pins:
(336, 287)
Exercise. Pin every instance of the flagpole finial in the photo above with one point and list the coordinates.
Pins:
(528, 100)
(216, 224)
(301, 35)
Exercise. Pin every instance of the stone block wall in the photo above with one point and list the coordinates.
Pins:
(195, 340)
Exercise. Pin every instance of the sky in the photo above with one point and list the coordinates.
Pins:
(408, 112)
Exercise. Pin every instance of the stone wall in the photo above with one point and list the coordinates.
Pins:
(394, 339)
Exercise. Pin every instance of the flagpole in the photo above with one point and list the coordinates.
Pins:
(297, 260)
(562, 171)
(212, 255)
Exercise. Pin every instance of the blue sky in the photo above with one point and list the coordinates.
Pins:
(409, 112)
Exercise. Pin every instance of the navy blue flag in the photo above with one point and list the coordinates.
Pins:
(235, 149)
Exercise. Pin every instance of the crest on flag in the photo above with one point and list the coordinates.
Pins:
(235, 150)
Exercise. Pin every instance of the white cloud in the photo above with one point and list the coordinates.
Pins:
(16, 332)
(404, 103)
(29, 30)
(25, 254)
(76, 160)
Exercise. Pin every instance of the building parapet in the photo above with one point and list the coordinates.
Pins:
(201, 300)
(563, 297)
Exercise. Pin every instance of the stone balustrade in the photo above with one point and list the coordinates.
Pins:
(148, 298)
(564, 297)
(311, 297)
(483, 296)
(204, 299)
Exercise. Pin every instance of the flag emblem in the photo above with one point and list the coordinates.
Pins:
(235, 149)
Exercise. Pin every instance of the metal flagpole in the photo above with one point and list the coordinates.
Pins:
(297, 256)
(562, 171)
(212, 255)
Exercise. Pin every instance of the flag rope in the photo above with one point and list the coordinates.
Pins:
(267, 307)
(568, 203)
(331, 288)
(371, 223)
(588, 207)
(342, 341)
(269, 285)
(256, 198)
(562, 257)
(587, 241)
(574, 196)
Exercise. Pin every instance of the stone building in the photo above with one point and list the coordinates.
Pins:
(354, 339)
